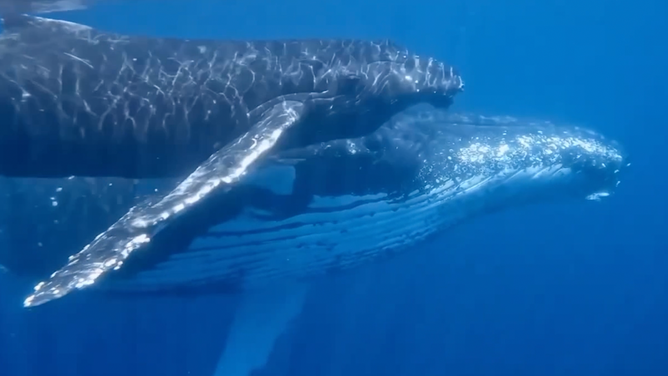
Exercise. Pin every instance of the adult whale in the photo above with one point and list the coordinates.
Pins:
(332, 206)
(79, 101)
(427, 167)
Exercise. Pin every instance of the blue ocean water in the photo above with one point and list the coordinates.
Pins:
(577, 289)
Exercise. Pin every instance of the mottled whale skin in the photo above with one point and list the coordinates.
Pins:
(79, 101)
(337, 205)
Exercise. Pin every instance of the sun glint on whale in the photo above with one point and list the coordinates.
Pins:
(80, 101)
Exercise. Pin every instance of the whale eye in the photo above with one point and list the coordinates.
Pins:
(348, 85)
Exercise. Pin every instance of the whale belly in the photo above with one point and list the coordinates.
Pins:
(333, 234)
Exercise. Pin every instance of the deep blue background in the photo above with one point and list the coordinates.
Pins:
(577, 289)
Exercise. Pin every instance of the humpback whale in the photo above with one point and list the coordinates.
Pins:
(80, 101)
(327, 206)
(324, 208)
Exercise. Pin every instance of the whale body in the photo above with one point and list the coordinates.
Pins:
(306, 212)
(323, 208)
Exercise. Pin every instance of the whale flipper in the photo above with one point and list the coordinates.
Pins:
(262, 317)
(43, 220)
(135, 229)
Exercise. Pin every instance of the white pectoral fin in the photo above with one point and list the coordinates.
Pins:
(135, 229)
(259, 321)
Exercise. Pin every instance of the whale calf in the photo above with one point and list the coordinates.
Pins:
(79, 101)
(308, 212)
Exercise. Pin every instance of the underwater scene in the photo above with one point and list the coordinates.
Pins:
(336, 188)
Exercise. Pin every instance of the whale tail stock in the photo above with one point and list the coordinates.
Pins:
(261, 318)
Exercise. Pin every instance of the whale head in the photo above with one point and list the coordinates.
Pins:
(396, 76)
(362, 84)
(495, 162)
(405, 79)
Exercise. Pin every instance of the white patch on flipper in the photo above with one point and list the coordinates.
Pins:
(260, 319)
(279, 179)
(134, 230)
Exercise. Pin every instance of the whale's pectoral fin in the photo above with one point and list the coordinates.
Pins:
(109, 250)
(261, 318)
